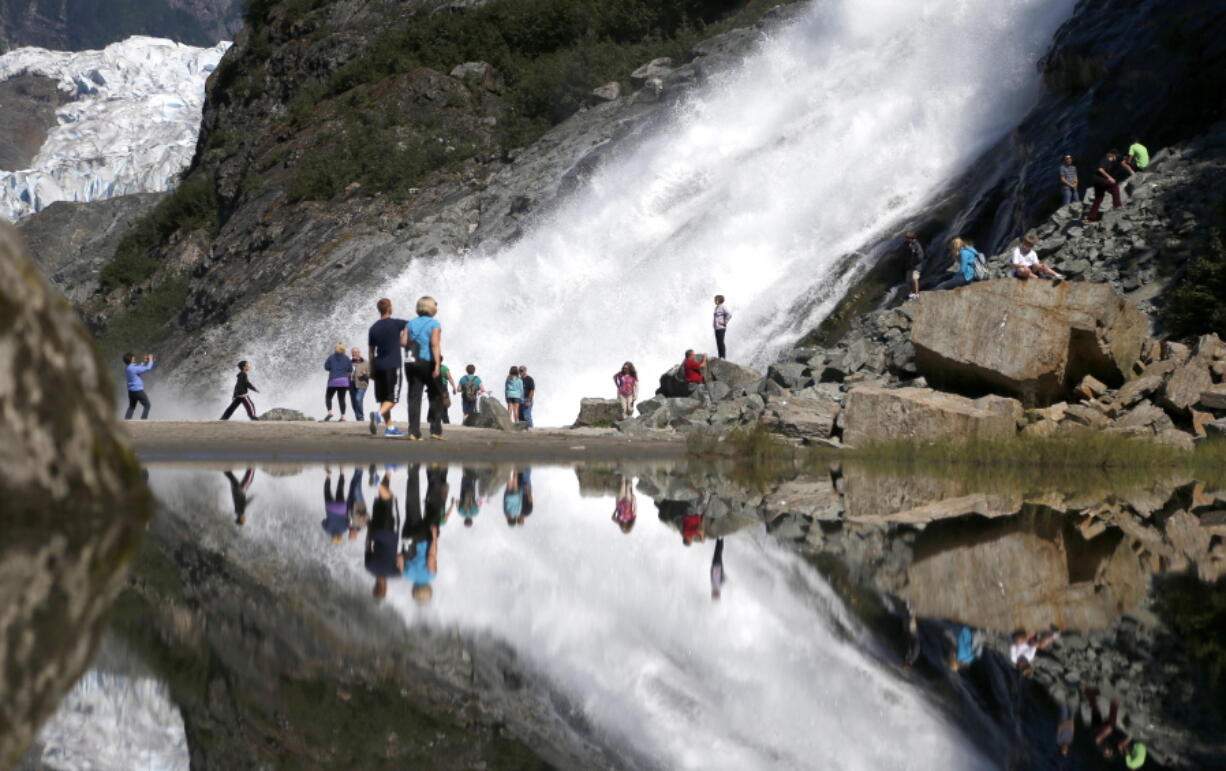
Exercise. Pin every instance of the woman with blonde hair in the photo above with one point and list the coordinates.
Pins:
(964, 251)
(425, 335)
(339, 367)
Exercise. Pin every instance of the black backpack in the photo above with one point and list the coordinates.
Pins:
(470, 390)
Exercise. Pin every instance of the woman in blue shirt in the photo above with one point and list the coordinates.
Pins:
(425, 343)
(514, 390)
(964, 249)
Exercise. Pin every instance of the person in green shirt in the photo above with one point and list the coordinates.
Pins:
(1138, 156)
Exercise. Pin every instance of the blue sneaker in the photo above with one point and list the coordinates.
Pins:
(393, 432)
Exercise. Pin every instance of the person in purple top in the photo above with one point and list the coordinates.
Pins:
(339, 367)
(136, 386)
(383, 560)
(336, 507)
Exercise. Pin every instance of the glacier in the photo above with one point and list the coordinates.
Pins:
(131, 127)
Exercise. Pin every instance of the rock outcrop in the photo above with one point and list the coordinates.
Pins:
(880, 415)
(598, 412)
(1030, 339)
(490, 414)
(74, 498)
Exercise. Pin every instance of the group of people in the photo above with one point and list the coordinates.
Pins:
(971, 265)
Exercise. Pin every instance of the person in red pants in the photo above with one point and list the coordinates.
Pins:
(1107, 179)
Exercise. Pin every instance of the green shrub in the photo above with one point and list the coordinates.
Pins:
(191, 206)
(141, 325)
(1198, 305)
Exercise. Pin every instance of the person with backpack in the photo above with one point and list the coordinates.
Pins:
(136, 386)
(425, 343)
(965, 252)
(514, 391)
(470, 390)
(627, 382)
(359, 381)
(241, 386)
(339, 367)
(1026, 263)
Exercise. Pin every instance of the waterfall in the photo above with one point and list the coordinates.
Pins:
(837, 130)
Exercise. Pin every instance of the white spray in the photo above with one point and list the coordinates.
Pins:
(837, 129)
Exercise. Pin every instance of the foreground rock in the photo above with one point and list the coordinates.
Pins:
(602, 413)
(490, 414)
(879, 415)
(1030, 339)
(284, 413)
(74, 499)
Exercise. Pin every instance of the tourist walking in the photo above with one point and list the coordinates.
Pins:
(447, 387)
(1026, 263)
(470, 390)
(359, 381)
(722, 317)
(627, 382)
(963, 250)
(626, 509)
(514, 392)
(136, 386)
(525, 407)
(1068, 181)
(1107, 178)
(242, 386)
(913, 254)
(425, 342)
(340, 371)
(386, 338)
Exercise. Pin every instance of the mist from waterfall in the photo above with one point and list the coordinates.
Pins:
(839, 128)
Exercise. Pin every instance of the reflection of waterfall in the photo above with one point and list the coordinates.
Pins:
(619, 628)
(114, 722)
(842, 126)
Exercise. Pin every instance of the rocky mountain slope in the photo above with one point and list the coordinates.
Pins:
(76, 25)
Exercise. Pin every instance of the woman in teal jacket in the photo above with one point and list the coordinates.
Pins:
(966, 252)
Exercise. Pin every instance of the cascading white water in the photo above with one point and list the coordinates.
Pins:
(838, 128)
(776, 674)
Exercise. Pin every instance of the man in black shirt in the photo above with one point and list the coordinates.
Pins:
(914, 254)
(385, 340)
(525, 407)
(1107, 180)
(383, 560)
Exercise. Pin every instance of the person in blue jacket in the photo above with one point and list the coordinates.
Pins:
(136, 386)
(339, 367)
(964, 249)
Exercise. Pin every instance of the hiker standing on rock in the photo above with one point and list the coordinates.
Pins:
(241, 386)
(722, 317)
(1068, 181)
(359, 381)
(914, 255)
(340, 371)
(525, 407)
(1107, 178)
(384, 341)
(627, 382)
(136, 386)
(1026, 263)
(425, 336)
(513, 389)
(470, 389)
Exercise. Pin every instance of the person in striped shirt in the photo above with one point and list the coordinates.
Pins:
(722, 317)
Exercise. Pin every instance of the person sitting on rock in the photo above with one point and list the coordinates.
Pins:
(1026, 263)
(693, 367)
(1025, 646)
(1138, 155)
(1107, 178)
(964, 252)
(1068, 180)
(914, 254)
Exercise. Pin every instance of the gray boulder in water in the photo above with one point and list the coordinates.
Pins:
(75, 501)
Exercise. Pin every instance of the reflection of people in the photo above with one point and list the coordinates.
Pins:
(913, 641)
(238, 492)
(420, 557)
(968, 648)
(691, 525)
(525, 488)
(1065, 729)
(1025, 646)
(336, 508)
(383, 560)
(1108, 738)
(470, 505)
(356, 504)
(512, 500)
(717, 569)
(625, 511)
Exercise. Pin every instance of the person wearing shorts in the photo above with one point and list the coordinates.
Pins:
(386, 339)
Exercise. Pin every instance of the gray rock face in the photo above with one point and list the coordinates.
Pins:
(878, 414)
(27, 113)
(80, 26)
(598, 412)
(72, 242)
(805, 417)
(61, 452)
(1026, 338)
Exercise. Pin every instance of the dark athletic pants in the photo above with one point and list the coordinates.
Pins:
(134, 398)
(245, 401)
(420, 374)
(719, 342)
(1101, 190)
(341, 392)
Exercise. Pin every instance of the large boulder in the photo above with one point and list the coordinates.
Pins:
(724, 371)
(598, 412)
(74, 499)
(1030, 339)
(490, 414)
(285, 414)
(872, 414)
(803, 416)
(672, 384)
